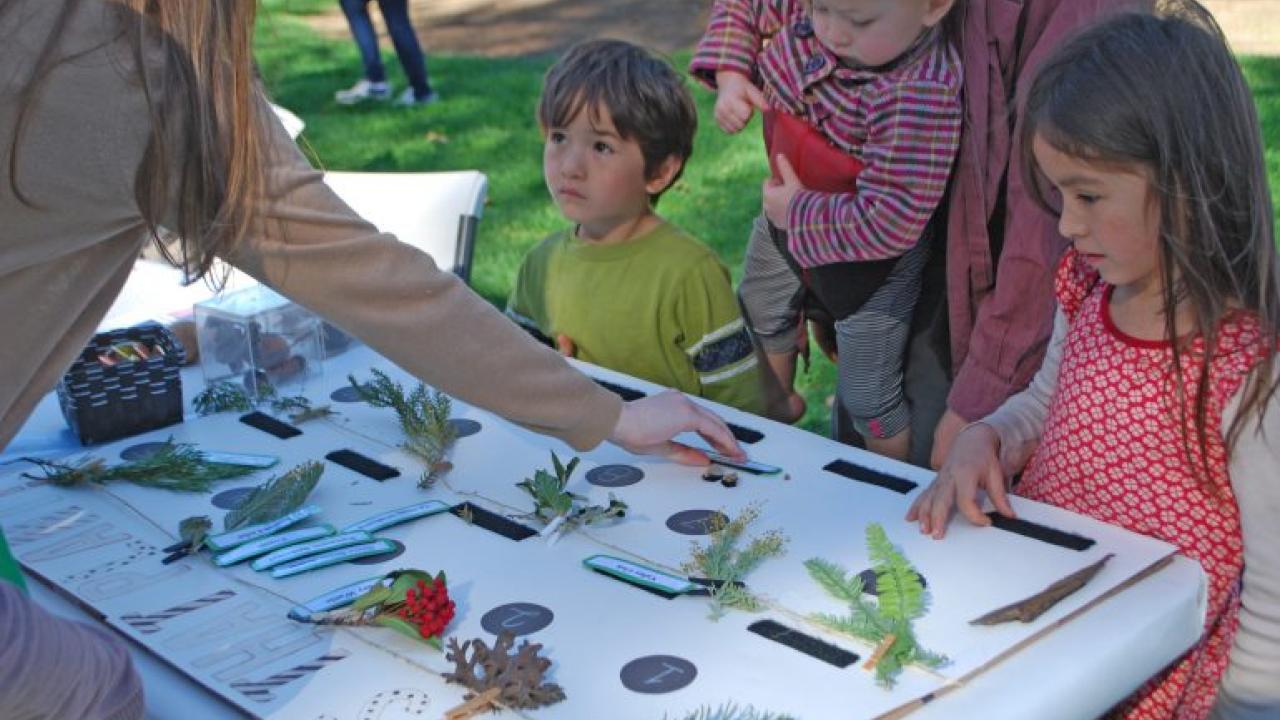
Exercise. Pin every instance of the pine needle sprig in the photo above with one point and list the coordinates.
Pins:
(222, 397)
(176, 466)
(276, 497)
(731, 711)
(424, 418)
(901, 598)
(722, 559)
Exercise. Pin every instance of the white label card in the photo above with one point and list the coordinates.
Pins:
(639, 574)
(395, 517)
(226, 541)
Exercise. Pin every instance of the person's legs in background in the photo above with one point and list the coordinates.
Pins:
(409, 50)
(373, 86)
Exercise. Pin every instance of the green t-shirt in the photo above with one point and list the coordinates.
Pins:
(8, 566)
(659, 307)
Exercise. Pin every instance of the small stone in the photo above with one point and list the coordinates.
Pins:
(713, 474)
(729, 480)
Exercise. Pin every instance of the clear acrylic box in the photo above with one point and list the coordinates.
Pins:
(259, 339)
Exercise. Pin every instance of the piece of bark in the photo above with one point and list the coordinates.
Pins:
(1028, 609)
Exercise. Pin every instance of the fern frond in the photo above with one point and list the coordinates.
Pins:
(731, 711)
(832, 579)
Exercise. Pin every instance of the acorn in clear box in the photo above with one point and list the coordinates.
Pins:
(261, 340)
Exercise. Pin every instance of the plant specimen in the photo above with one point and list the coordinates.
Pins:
(192, 532)
(284, 404)
(222, 397)
(307, 412)
(885, 621)
(724, 562)
(415, 603)
(518, 675)
(1030, 608)
(424, 418)
(557, 508)
(278, 496)
(731, 711)
(176, 466)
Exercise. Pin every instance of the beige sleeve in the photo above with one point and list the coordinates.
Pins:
(1251, 686)
(1020, 419)
(314, 249)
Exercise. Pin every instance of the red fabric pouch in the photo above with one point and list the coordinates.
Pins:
(820, 165)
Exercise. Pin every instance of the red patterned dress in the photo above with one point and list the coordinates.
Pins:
(1112, 449)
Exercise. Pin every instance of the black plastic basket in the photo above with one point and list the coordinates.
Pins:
(104, 403)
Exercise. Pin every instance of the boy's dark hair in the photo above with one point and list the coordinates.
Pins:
(646, 98)
(1163, 93)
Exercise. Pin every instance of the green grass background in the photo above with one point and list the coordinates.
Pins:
(485, 121)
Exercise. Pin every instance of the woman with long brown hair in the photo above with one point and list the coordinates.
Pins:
(120, 119)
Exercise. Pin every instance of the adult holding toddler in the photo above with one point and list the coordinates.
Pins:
(862, 126)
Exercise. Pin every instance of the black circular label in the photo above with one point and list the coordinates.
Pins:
(346, 394)
(142, 451)
(870, 587)
(395, 552)
(657, 674)
(462, 427)
(613, 476)
(696, 522)
(231, 499)
(519, 618)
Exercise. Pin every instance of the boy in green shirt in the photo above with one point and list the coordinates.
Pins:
(625, 289)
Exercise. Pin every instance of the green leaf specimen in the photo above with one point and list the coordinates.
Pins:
(722, 559)
(901, 599)
(176, 466)
(278, 496)
(552, 503)
(222, 397)
(424, 419)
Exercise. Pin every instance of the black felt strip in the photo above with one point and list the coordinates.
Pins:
(1043, 533)
(621, 391)
(745, 434)
(656, 591)
(270, 425)
(363, 464)
(807, 644)
(871, 477)
(493, 522)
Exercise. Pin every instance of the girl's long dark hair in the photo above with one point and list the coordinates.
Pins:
(194, 61)
(1163, 92)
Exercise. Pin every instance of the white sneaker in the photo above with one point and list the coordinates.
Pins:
(407, 98)
(361, 91)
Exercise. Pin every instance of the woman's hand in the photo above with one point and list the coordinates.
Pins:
(737, 99)
(972, 465)
(646, 427)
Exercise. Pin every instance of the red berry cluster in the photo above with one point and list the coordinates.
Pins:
(429, 608)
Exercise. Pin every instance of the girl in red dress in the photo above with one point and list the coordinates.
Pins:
(1151, 409)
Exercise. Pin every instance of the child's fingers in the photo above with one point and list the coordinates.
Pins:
(999, 496)
(756, 97)
(967, 503)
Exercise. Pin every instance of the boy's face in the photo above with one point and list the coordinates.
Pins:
(873, 32)
(596, 177)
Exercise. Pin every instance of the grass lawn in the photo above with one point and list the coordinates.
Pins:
(486, 122)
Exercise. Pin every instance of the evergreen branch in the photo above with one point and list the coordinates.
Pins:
(222, 397)
(731, 711)
(177, 466)
(276, 497)
(424, 420)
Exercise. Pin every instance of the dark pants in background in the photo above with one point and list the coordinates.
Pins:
(396, 14)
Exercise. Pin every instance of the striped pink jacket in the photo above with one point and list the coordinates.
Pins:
(902, 120)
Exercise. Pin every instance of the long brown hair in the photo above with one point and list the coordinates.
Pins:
(194, 61)
(1163, 92)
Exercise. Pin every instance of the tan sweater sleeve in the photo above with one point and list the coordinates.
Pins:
(1251, 686)
(313, 248)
